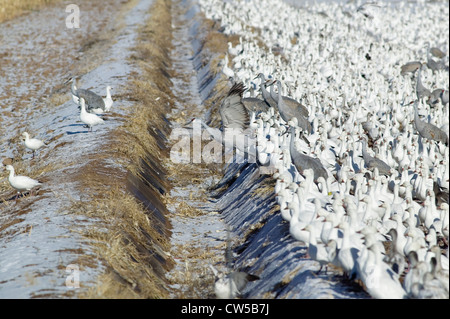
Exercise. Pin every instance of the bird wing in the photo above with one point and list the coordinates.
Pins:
(254, 104)
(93, 100)
(297, 106)
(412, 66)
(232, 110)
(25, 182)
(303, 162)
(383, 168)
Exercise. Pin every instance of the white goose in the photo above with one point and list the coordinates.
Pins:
(380, 280)
(348, 252)
(88, 118)
(317, 251)
(108, 100)
(21, 183)
(32, 143)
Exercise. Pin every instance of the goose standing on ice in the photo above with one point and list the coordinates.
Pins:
(21, 183)
(379, 279)
(108, 99)
(317, 251)
(229, 73)
(88, 118)
(32, 143)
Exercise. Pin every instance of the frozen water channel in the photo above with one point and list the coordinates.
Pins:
(40, 244)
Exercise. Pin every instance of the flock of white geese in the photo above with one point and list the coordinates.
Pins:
(369, 192)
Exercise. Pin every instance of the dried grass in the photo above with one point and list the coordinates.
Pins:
(57, 99)
(266, 188)
(125, 240)
(10, 9)
(130, 240)
(142, 133)
(195, 279)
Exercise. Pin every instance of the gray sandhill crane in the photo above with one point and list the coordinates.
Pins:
(303, 162)
(428, 130)
(373, 162)
(289, 111)
(94, 102)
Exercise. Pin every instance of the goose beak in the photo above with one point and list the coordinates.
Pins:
(188, 124)
(70, 79)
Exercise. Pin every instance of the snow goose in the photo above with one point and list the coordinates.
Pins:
(348, 252)
(229, 73)
(32, 143)
(296, 227)
(434, 285)
(416, 243)
(399, 240)
(330, 231)
(108, 99)
(380, 280)
(317, 251)
(415, 274)
(21, 183)
(88, 118)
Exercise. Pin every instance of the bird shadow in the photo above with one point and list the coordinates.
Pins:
(76, 132)
(29, 194)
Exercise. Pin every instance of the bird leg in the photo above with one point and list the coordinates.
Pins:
(320, 269)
